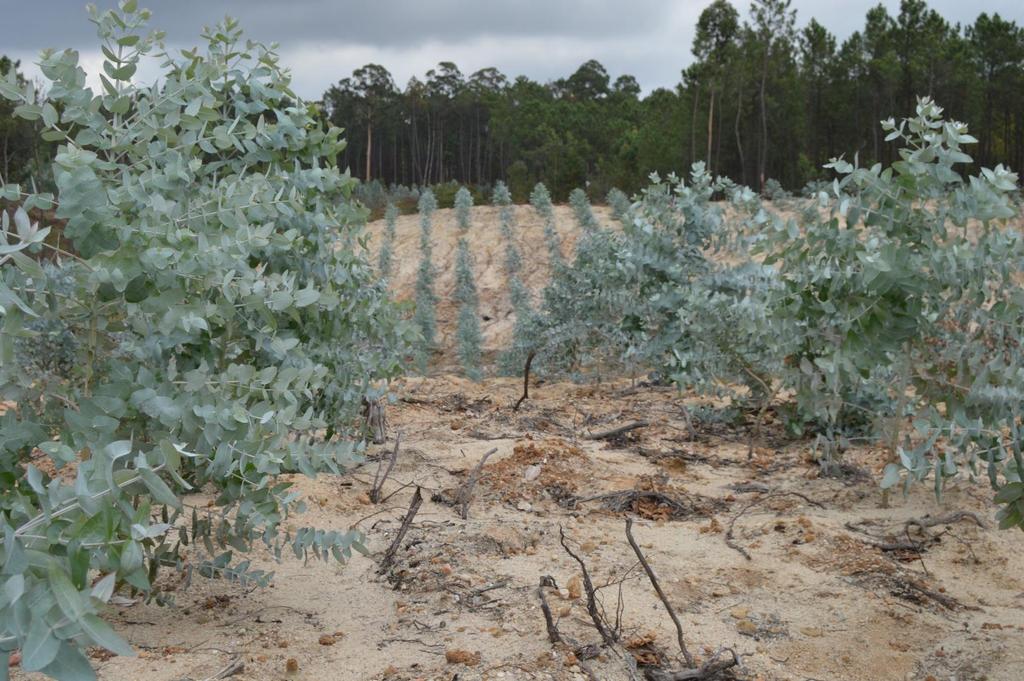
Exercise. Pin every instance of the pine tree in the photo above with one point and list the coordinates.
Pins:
(390, 217)
(463, 202)
(468, 332)
(425, 317)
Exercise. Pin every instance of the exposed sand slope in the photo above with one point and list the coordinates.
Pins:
(815, 601)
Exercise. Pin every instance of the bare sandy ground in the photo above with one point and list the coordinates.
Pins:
(815, 600)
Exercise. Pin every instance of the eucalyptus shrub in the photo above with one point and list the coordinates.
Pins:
(468, 331)
(813, 188)
(540, 199)
(582, 210)
(513, 260)
(619, 203)
(774, 191)
(580, 328)
(511, 360)
(909, 280)
(673, 224)
(217, 320)
(425, 316)
(390, 220)
(701, 323)
(463, 204)
(502, 198)
(650, 298)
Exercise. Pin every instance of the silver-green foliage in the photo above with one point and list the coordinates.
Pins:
(908, 286)
(387, 246)
(580, 329)
(683, 304)
(220, 316)
(582, 210)
(618, 303)
(619, 203)
(425, 316)
(540, 199)
(468, 332)
(511, 361)
(463, 205)
(513, 258)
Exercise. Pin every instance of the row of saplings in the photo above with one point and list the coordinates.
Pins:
(887, 310)
(221, 326)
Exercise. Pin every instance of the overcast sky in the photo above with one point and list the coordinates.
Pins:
(323, 41)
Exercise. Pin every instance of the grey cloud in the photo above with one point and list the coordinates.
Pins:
(323, 41)
(381, 23)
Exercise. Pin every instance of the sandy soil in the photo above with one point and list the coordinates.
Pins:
(815, 600)
(817, 585)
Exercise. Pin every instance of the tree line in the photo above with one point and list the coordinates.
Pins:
(762, 99)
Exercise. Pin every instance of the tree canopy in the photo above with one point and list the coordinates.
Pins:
(769, 97)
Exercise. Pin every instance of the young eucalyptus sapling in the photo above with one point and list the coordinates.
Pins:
(390, 220)
(540, 199)
(463, 205)
(909, 280)
(582, 210)
(468, 332)
(217, 319)
(425, 315)
(619, 203)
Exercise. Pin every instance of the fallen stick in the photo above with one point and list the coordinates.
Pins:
(948, 519)
(661, 594)
(378, 479)
(947, 602)
(606, 434)
(235, 666)
(707, 670)
(526, 380)
(478, 435)
(414, 507)
(501, 584)
(881, 543)
(466, 492)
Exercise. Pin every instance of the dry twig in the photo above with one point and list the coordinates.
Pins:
(378, 478)
(526, 380)
(466, 491)
(554, 636)
(588, 588)
(621, 430)
(235, 666)
(414, 507)
(657, 588)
